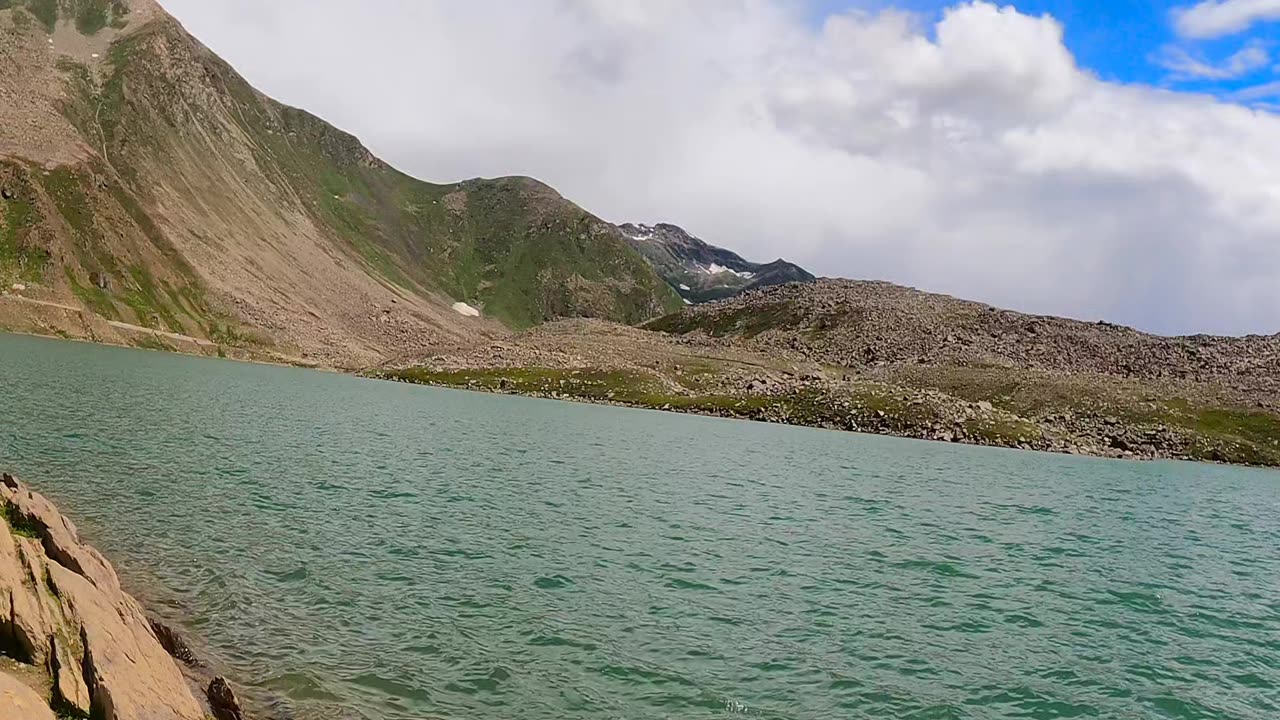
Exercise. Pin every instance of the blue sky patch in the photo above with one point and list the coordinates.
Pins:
(1138, 41)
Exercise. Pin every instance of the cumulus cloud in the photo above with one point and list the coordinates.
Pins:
(1182, 65)
(1216, 18)
(972, 156)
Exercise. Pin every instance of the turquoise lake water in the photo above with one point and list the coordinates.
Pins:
(354, 548)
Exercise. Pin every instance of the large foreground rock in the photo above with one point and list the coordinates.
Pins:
(21, 702)
(62, 610)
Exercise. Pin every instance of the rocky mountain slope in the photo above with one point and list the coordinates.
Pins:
(146, 185)
(856, 324)
(72, 643)
(701, 272)
(875, 357)
(1107, 388)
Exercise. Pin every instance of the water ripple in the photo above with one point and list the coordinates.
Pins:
(434, 554)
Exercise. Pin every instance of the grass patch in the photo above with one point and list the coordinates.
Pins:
(228, 334)
(1223, 434)
(1211, 430)
(46, 11)
(64, 186)
(635, 389)
(736, 322)
(151, 342)
(93, 297)
(17, 259)
(92, 16)
(593, 384)
(119, 14)
(1004, 431)
(147, 303)
(20, 524)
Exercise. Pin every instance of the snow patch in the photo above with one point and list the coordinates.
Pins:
(716, 269)
(642, 232)
(685, 288)
(686, 301)
(464, 309)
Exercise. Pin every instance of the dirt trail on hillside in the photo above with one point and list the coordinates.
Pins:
(129, 327)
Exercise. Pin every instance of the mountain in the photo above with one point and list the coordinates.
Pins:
(145, 184)
(701, 272)
(863, 324)
(1086, 384)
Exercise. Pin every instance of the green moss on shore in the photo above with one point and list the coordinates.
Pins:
(20, 524)
(1218, 434)
(151, 342)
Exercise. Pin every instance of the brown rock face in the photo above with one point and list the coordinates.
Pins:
(62, 611)
(21, 702)
(69, 689)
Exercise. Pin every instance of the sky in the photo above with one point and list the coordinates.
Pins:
(1100, 159)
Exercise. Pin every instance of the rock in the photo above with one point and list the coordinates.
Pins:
(173, 644)
(59, 537)
(128, 673)
(65, 612)
(18, 287)
(223, 701)
(7, 194)
(69, 689)
(27, 617)
(100, 280)
(20, 702)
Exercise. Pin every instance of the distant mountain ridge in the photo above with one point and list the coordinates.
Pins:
(701, 272)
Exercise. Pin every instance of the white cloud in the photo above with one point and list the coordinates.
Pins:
(976, 159)
(1215, 18)
(1255, 93)
(1184, 66)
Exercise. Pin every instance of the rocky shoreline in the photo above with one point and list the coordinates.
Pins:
(1080, 412)
(825, 406)
(73, 644)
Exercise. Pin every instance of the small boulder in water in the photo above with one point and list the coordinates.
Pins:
(223, 701)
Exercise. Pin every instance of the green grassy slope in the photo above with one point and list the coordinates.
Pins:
(512, 246)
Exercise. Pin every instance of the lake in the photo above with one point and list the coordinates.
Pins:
(350, 547)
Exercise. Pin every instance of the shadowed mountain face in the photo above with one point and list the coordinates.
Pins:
(701, 272)
(146, 184)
